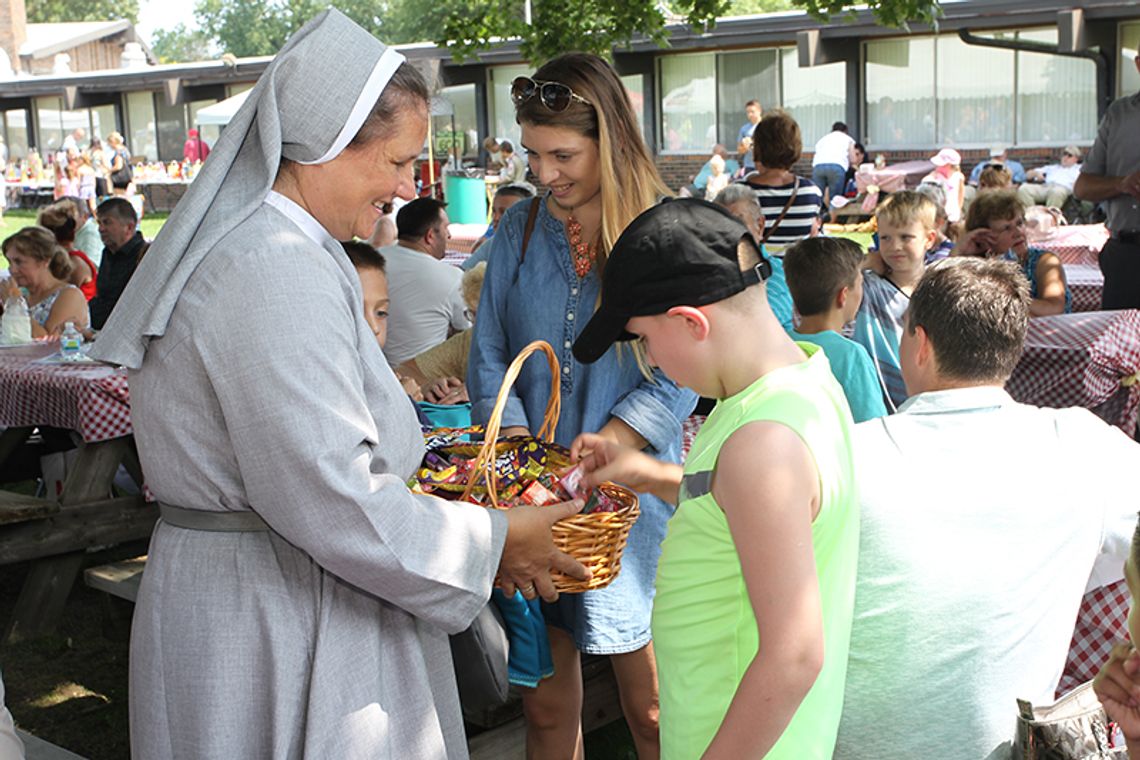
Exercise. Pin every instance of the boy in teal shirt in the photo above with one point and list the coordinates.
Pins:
(825, 276)
(752, 613)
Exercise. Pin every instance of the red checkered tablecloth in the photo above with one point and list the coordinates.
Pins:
(1075, 243)
(1086, 284)
(689, 429)
(91, 399)
(1101, 622)
(1089, 360)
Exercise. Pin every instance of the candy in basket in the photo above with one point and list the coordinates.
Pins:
(501, 473)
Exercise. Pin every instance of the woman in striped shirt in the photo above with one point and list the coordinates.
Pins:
(791, 204)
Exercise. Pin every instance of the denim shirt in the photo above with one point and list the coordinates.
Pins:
(545, 299)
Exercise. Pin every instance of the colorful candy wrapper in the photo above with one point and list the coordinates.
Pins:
(550, 481)
(538, 495)
(571, 483)
(600, 501)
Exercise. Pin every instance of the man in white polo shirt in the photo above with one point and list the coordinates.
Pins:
(426, 304)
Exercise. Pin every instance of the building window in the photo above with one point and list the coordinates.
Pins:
(975, 93)
(688, 103)
(929, 91)
(16, 133)
(55, 124)
(1056, 95)
(141, 136)
(502, 114)
(635, 89)
(703, 96)
(815, 96)
(1129, 78)
(455, 134)
(103, 121)
(741, 77)
(900, 92)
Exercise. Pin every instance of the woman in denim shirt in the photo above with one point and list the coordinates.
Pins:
(583, 143)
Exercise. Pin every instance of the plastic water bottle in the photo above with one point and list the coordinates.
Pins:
(70, 343)
(16, 324)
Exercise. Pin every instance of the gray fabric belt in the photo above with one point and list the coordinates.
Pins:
(218, 522)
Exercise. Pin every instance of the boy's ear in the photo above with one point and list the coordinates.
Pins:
(695, 319)
(842, 296)
(931, 237)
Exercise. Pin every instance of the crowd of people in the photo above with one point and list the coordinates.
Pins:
(868, 552)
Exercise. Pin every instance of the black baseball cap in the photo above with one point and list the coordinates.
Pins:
(680, 252)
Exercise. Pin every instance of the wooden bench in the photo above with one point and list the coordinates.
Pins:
(17, 508)
(120, 579)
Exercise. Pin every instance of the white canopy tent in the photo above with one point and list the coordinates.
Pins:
(221, 112)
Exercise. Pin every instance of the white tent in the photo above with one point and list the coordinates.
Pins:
(221, 113)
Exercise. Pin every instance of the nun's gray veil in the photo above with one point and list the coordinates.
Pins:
(307, 106)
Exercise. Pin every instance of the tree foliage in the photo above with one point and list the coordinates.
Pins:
(261, 27)
(179, 45)
(54, 11)
(601, 25)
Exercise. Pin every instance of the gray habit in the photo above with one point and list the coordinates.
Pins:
(324, 638)
(257, 385)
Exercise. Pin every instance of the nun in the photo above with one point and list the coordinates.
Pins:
(297, 597)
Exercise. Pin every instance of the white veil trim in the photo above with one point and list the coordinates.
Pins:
(390, 60)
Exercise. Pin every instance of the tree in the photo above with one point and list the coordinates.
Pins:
(261, 27)
(179, 45)
(55, 11)
(600, 25)
(750, 7)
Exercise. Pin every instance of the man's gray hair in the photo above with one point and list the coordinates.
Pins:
(737, 193)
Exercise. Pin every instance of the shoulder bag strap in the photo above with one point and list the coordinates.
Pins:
(530, 220)
(791, 199)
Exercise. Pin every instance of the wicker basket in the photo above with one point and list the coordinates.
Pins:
(598, 539)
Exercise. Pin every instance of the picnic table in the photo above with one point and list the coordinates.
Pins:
(893, 178)
(1074, 243)
(92, 401)
(1086, 285)
(1089, 359)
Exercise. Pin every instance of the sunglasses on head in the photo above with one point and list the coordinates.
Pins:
(554, 95)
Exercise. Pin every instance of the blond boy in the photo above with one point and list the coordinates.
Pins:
(752, 615)
(907, 231)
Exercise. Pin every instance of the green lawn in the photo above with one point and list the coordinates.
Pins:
(16, 219)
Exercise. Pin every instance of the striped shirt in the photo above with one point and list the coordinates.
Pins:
(797, 223)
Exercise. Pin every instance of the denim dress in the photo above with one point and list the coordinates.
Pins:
(544, 299)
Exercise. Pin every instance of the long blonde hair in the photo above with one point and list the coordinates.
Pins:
(629, 179)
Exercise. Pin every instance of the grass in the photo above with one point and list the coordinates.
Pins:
(17, 219)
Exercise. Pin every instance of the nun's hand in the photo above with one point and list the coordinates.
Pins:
(529, 554)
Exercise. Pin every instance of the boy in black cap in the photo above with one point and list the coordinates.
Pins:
(755, 585)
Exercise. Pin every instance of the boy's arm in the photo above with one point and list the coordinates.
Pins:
(770, 502)
(602, 459)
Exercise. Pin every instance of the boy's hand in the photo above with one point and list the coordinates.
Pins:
(604, 460)
(874, 261)
(1117, 686)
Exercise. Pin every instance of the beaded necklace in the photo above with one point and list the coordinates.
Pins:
(582, 254)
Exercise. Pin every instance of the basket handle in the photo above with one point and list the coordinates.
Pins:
(485, 462)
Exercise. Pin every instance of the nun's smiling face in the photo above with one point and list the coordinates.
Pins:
(346, 194)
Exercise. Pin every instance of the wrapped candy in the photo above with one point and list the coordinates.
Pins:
(600, 501)
(538, 495)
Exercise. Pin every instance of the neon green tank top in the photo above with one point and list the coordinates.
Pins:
(704, 629)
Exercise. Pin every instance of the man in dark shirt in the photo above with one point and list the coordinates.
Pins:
(124, 245)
